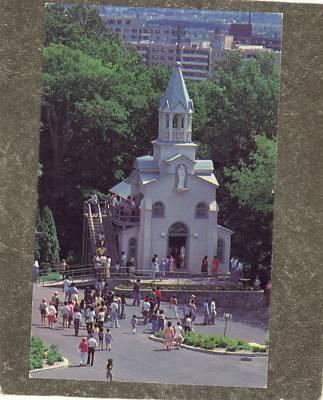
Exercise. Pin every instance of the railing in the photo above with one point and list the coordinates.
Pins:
(100, 215)
(176, 135)
(50, 273)
(90, 216)
(125, 216)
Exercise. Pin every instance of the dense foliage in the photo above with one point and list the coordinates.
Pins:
(39, 354)
(99, 111)
(47, 248)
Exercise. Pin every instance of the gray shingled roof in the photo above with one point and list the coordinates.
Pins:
(204, 165)
(147, 162)
(176, 92)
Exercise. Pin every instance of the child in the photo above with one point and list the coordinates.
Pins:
(153, 318)
(101, 337)
(134, 323)
(169, 336)
(178, 335)
(161, 321)
(109, 370)
(108, 340)
(187, 324)
(42, 308)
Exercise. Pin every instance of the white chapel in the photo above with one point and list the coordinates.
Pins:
(176, 193)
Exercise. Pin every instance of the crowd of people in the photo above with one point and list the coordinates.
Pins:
(100, 310)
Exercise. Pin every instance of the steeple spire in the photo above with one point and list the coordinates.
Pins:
(176, 92)
(175, 110)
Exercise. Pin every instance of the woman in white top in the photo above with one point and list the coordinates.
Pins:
(178, 335)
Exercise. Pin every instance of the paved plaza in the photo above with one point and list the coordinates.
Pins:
(138, 359)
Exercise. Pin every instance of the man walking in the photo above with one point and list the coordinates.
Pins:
(114, 313)
(92, 345)
(136, 293)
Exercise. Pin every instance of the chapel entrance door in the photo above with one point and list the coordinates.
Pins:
(177, 244)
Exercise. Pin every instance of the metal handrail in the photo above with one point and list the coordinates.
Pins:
(90, 216)
(100, 215)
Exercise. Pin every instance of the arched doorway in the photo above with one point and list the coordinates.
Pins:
(177, 244)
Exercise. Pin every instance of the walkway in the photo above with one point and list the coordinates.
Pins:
(138, 359)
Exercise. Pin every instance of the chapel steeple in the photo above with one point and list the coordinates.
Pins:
(175, 110)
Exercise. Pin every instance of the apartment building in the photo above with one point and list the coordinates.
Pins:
(195, 61)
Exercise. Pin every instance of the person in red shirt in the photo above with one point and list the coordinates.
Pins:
(83, 347)
(158, 295)
(215, 267)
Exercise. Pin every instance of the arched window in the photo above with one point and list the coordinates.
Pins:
(132, 248)
(176, 121)
(220, 252)
(158, 210)
(201, 211)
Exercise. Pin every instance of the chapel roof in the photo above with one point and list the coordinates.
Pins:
(176, 93)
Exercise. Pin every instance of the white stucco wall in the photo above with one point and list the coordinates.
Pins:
(180, 207)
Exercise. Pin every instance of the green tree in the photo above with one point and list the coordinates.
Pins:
(50, 248)
(253, 183)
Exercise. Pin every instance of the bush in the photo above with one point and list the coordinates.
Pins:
(39, 353)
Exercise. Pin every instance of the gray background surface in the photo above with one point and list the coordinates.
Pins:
(295, 359)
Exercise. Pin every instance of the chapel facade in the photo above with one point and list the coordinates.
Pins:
(176, 193)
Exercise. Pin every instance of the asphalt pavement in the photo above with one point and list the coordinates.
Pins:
(138, 359)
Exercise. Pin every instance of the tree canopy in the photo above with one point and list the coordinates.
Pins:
(99, 112)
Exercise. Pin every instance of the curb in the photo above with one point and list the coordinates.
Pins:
(61, 364)
(222, 353)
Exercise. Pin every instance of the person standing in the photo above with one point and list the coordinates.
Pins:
(154, 320)
(108, 267)
(188, 324)
(43, 312)
(215, 267)
(123, 263)
(173, 306)
(51, 314)
(101, 338)
(35, 271)
(66, 285)
(55, 301)
(158, 295)
(83, 348)
(134, 323)
(178, 335)
(204, 267)
(123, 306)
(108, 340)
(153, 268)
(146, 310)
(212, 312)
(77, 319)
(161, 321)
(167, 265)
(114, 313)
(63, 268)
(206, 313)
(136, 293)
(109, 368)
(169, 336)
(162, 269)
(171, 266)
(92, 345)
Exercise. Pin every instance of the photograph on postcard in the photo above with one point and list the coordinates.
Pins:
(156, 186)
